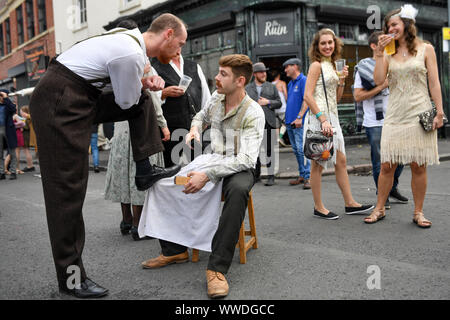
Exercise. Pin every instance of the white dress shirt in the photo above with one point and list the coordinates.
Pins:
(117, 56)
(206, 95)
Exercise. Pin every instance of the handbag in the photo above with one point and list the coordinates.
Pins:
(317, 146)
(426, 119)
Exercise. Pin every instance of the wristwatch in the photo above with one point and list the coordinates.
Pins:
(299, 117)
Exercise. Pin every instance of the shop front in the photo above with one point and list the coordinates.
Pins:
(273, 31)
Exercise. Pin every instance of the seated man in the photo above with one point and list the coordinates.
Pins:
(193, 219)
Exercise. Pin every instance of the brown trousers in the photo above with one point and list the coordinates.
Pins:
(63, 108)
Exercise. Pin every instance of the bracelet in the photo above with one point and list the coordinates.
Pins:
(319, 114)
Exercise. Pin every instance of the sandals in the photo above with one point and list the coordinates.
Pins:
(375, 216)
(420, 220)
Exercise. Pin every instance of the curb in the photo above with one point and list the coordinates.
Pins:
(360, 168)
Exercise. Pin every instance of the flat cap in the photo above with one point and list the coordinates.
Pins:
(292, 61)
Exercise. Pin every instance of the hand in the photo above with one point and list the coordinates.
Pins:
(166, 133)
(193, 134)
(438, 121)
(153, 83)
(3, 94)
(383, 41)
(344, 73)
(197, 182)
(327, 129)
(298, 123)
(172, 91)
(263, 102)
(385, 84)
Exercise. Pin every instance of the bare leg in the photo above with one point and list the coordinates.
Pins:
(418, 185)
(29, 157)
(343, 180)
(385, 182)
(316, 187)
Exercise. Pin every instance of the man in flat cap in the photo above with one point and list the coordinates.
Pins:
(266, 94)
(295, 114)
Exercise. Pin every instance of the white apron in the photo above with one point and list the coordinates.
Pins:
(190, 220)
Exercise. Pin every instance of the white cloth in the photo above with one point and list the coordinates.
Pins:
(206, 95)
(117, 56)
(370, 116)
(190, 220)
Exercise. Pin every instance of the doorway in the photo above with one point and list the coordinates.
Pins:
(276, 64)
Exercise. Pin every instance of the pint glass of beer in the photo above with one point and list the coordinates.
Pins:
(390, 48)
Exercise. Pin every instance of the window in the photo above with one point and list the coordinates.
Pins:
(83, 11)
(128, 4)
(347, 31)
(8, 36)
(42, 18)
(30, 18)
(20, 33)
(1, 41)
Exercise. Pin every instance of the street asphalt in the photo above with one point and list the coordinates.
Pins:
(299, 256)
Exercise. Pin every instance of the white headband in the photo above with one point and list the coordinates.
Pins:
(408, 12)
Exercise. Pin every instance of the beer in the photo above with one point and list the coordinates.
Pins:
(390, 48)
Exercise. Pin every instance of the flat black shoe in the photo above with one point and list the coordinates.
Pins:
(329, 216)
(32, 169)
(135, 235)
(270, 181)
(359, 210)
(144, 182)
(2, 176)
(86, 289)
(396, 195)
(13, 176)
(96, 169)
(125, 228)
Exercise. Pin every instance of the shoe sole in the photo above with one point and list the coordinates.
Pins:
(148, 186)
(174, 262)
(360, 212)
(218, 296)
(423, 227)
(333, 218)
(94, 296)
(379, 219)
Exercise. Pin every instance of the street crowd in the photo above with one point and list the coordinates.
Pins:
(165, 116)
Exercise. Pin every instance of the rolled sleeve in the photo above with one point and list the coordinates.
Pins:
(126, 73)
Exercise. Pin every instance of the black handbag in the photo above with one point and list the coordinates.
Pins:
(426, 119)
(317, 146)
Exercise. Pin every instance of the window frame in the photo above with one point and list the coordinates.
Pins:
(29, 5)
(20, 28)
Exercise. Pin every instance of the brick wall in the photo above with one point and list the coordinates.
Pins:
(17, 57)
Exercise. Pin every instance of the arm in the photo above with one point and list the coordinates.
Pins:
(434, 85)
(126, 74)
(313, 76)
(381, 63)
(299, 121)
(251, 137)
(341, 85)
(361, 94)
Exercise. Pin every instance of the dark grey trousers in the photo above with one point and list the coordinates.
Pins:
(236, 190)
(63, 108)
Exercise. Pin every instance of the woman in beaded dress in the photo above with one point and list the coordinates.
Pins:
(412, 73)
(323, 52)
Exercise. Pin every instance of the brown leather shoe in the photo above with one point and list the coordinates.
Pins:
(307, 185)
(163, 261)
(297, 181)
(217, 284)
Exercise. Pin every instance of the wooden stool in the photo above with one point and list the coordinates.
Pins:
(242, 244)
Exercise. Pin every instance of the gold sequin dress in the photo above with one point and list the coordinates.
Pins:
(403, 139)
